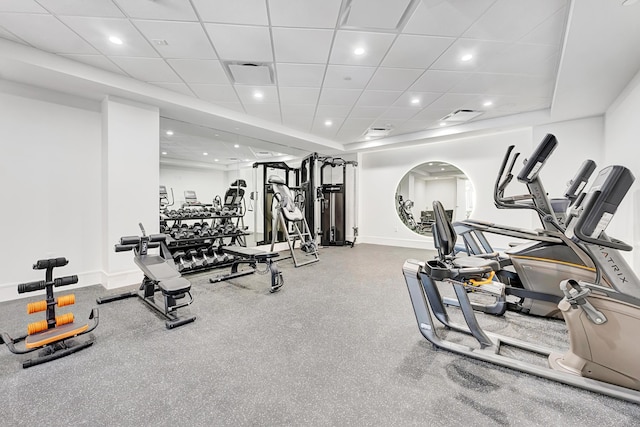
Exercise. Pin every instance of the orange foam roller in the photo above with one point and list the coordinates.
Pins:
(34, 307)
(35, 327)
(63, 319)
(66, 300)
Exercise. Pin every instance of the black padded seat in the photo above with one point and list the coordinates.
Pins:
(175, 286)
(157, 269)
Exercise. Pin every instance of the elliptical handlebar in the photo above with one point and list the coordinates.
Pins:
(579, 181)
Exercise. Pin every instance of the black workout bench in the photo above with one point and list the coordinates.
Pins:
(252, 257)
(160, 275)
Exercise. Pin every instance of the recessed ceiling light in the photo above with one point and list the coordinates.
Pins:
(441, 169)
(279, 154)
(359, 51)
(328, 122)
(488, 103)
(215, 160)
(236, 145)
(466, 57)
(430, 164)
(169, 132)
(415, 101)
(367, 138)
(115, 40)
(205, 154)
(164, 153)
(216, 134)
(246, 160)
(258, 95)
(443, 124)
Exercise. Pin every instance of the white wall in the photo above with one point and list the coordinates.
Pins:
(207, 183)
(622, 131)
(50, 169)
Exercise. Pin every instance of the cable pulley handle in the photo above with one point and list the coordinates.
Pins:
(64, 281)
(124, 248)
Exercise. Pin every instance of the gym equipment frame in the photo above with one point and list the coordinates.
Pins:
(252, 257)
(50, 335)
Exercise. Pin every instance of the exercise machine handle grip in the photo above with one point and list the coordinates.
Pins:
(43, 264)
(130, 240)
(124, 248)
(31, 286)
(66, 280)
(157, 237)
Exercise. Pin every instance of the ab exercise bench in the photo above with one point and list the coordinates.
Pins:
(252, 257)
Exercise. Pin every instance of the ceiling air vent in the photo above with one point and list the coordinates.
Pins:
(250, 73)
(460, 116)
(377, 132)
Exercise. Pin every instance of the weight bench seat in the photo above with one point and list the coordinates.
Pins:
(250, 253)
(157, 269)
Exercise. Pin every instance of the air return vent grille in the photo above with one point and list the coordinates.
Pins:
(460, 116)
(251, 73)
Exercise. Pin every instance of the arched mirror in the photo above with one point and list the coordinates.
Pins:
(428, 182)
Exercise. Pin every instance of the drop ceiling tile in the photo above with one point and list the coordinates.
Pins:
(97, 61)
(103, 8)
(21, 6)
(439, 81)
(170, 10)
(321, 130)
(301, 45)
(430, 114)
(98, 30)
(297, 110)
(296, 13)
(394, 78)
(245, 93)
(247, 12)
(303, 75)
(332, 112)
(184, 39)
(241, 43)
(385, 14)
(520, 58)
(550, 31)
(445, 18)
(9, 36)
(176, 87)
(345, 97)
(347, 77)
(451, 101)
(378, 98)
(299, 95)
(484, 52)
(147, 69)
(45, 32)
(410, 51)
(199, 70)
(320, 126)
(269, 112)
(366, 112)
(424, 99)
(512, 19)
(398, 114)
(375, 46)
(501, 84)
(299, 118)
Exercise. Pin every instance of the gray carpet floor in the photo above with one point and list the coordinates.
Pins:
(338, 345)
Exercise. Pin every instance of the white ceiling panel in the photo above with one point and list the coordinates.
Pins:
(199, 70)
(247, 12)
(520, 58)
(319, 128)
(297, 110)
(483, 53)
(550, 31)
(501, 84)
(299, 122)
(147, 69)
(101, 8)
(215, 93)
(299, 96)
(378, 98)
(364, 112)
(7, 35)
(97, 61)
(398, 114)
(303, 75)
(451, 101)
(98, 30)
(21, 6)
(347, 77)
(176, 87)
(394, 78)
(439, 81)
(347, 97)
(44, 32)
(512, 19)
(408, 99)
(296, 13)
(375, 46)
(385, 14)
(302, 45)
(430, 115)
(269, 112)
(170, 10)
(409, 51)
(332, 112)
(242, 43)
(183, 39)
(246, 94)
(445, 18)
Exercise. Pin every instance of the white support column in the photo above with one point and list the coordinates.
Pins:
(130, 179)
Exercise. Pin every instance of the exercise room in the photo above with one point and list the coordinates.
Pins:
(320, 212)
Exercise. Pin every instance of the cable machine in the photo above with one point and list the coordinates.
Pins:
(332, 195)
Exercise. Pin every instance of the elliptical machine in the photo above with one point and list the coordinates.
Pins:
(601, 321)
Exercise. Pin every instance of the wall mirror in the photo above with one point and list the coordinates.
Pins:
(428, 182)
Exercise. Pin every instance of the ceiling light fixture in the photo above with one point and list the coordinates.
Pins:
(443, 124)
(169, 132)
(164, 153)
(415, 101)
(466, 57)
(115, 40)
(328, 122)
(488, 103)
(258, 95)
(215, 160)
(236, 146)
(205, 154)
(359, 51)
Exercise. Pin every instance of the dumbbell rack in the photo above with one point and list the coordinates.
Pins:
(186, 244)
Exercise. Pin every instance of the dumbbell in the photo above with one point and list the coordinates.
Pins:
(192, 255)
(179, 258)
